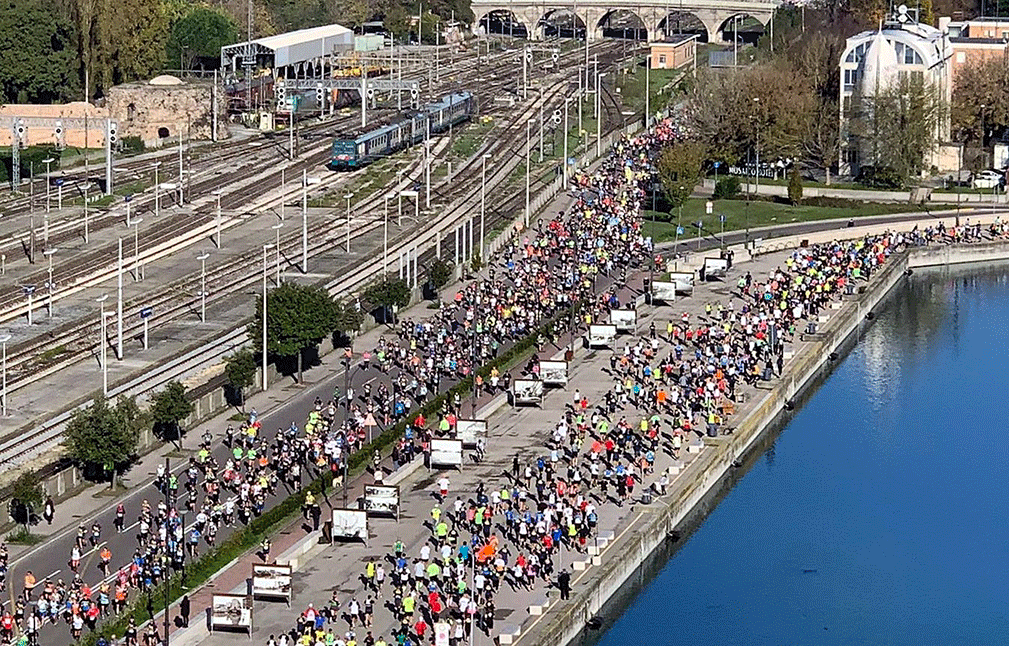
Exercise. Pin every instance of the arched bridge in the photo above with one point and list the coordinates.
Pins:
(644, 20)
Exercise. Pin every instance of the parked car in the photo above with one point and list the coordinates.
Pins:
(987, 179)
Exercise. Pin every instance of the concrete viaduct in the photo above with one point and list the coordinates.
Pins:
(714, 15)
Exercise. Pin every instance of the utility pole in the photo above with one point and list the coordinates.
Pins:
(119, 304)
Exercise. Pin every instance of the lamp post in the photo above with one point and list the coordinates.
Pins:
(756, 167)
(385, 238)
(48, 253)
(135, 223)
(599, 115)
(348, 197)
(203, 285)
(266, 247)
(305, 181)
(119, 303)
(528, 124)
(4, 338)
(276, 228)
(483, 203)
(103, 342)
(679, 220)
(47, 161)
(157, 191)
(217, 219)
(59, 194)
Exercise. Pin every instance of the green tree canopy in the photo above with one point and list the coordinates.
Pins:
(391, 292)
(240, 370)
(26, 495)
(168, 408)
(298, 317)
(679, 169)
(199, 34)
(103, 439)
(37, 53)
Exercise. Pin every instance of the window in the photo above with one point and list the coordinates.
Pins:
(855, 55)
(851, 157)
(662, 60)
(961, 57)
(850, 79)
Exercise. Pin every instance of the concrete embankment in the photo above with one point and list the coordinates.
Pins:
(628, 555)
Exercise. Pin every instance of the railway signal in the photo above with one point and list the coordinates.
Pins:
(58, 134)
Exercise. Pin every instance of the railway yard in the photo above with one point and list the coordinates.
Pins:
(236, 194)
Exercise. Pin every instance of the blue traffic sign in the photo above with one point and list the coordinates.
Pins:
(679, 231)
(721, 218)
(717, 164)
(146, 312)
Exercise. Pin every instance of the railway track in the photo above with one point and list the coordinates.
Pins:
(79, 340)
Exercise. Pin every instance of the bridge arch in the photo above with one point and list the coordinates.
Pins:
(742, 26)
(622, 23)
(682, 22)
(504, 22)
(562, 22)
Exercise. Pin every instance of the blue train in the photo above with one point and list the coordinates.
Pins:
(358, 150)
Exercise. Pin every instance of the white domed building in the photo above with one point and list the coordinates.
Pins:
(875, 62)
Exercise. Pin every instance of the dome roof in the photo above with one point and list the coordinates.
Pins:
(879, 66)
(165, 79)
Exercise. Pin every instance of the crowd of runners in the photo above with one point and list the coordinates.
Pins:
(669, 385)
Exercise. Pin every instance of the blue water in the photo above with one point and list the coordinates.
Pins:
(891, 483)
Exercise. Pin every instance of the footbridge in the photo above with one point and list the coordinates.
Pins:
(649, 20)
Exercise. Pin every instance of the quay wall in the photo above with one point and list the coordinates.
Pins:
(655, 524)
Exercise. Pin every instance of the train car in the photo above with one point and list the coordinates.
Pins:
(361, 148)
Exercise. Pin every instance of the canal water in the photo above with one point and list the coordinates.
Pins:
(880, 514)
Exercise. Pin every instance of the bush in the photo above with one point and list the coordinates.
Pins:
(439, 273)
(132, 145)
(727, 188)
(883, 177)
(795, 186)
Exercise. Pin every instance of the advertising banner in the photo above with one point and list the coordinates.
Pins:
(381, 499)
(350, 524)
(554, 373)
(470, 430)
(715, 268)
(527, 391)
(663, 291)
(624, 320)
(271, 581)
(684, 282)
(231, 611)
(602, 335)
(446, 453)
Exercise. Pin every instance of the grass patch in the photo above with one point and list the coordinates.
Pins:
(52, 353)
(23, 536)
(662, 226)
(129, 188)
(470, 139)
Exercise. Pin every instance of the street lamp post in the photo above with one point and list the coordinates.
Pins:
(157, 191)
(217, 194)
(266, 247)
(385, 238)
(103, 342)
(59, 194)
(276, 228)
(47, 161)
(49, 285)
(528, 124)
(137, 276)
(348, 197)
(4, 338)
(305, 181)
(119, 303)
(203, 285)
(483, 203)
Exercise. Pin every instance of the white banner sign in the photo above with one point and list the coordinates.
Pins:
(381, 499)
(554, 372)
(446, 453)
(271, 581)
(350, 524)
(715, 268)
(624, 320)
(527, 391)
(663, 291)
(231, 611)
(602, 335)
(684, 282)
(470, 430)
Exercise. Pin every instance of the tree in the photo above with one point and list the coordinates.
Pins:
(168, 408)
(392, 292)
(240, 370)
(439, 273)
(26, 495)
(818, 64)
(102, 440)
(36, 53)
(298, 317)
(983, 83)
(795, 185)
(199, 35)
(679, 169)
(348, 319)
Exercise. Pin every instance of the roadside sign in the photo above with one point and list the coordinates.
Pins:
(146, 312)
